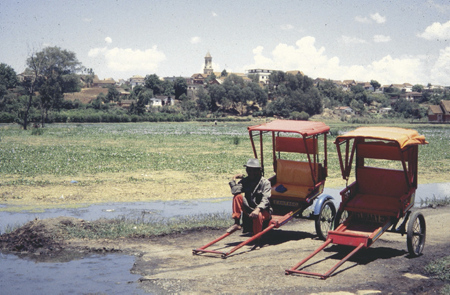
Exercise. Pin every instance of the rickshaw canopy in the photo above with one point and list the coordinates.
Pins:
(404, 137)
(305, 128)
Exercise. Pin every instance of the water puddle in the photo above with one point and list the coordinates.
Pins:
(96, 274)
(158, 209)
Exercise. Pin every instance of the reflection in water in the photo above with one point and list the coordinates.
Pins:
(96, 274)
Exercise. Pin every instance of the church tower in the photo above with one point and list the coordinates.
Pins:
(208, 70)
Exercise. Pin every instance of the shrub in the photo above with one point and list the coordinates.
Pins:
(37, 131)
(6, 117)
(299, 115)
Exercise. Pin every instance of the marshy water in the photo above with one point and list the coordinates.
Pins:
(110, 273)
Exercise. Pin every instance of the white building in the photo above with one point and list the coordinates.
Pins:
(263, 74)
(137, 80)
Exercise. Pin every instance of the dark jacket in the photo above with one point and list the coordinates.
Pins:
(256, 194)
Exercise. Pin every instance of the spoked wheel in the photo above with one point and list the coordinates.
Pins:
(341, 216)
(325, 219)
(415, 236)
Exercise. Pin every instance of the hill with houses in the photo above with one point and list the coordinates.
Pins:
(439, 112)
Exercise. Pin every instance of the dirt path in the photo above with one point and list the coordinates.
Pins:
(167, 265)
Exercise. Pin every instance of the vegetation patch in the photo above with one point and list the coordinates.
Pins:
(440, 269)
(146, 226)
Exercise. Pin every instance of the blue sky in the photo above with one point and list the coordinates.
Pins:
(388, 41)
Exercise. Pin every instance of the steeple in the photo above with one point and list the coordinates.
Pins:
(208, 70)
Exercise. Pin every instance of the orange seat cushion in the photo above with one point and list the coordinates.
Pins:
(296, 177)
(294, 191)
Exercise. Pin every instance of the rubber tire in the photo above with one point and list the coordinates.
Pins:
(341, 216)
(415, 234)
(327, 206)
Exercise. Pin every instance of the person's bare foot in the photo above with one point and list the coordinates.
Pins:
(234, 228)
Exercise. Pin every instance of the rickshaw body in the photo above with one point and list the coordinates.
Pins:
(382, 194)
(296, 152)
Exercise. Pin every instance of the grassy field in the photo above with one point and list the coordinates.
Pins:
(71, 164)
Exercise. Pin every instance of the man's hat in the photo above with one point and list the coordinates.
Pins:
(253, 163)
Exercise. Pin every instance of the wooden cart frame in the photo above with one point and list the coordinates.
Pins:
(297, 147)
(379, 197)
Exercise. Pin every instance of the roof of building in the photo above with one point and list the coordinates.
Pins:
(436, 109)
(295, 72)
(96, 80)
(445, 105)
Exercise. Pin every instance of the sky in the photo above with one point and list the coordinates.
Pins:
(392, 42)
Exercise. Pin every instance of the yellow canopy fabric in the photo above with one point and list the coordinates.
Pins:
(305, 128)
(404, 137)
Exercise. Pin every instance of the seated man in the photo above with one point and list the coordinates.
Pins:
(255, 202)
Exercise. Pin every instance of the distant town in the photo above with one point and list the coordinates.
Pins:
(56, 87)
(436, 113)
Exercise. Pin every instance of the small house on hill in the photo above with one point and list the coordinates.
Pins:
(439, 113)
(96, 82)
(411, 96)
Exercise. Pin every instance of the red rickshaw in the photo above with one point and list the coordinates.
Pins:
(382, 194)
(298, 168)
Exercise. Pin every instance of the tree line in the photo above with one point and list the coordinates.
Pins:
(38, 97)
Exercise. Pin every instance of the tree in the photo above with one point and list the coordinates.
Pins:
(180, 87)
(154, 83)
(260, 93)
(417, 88)
(217, 93)
(375, 84)
(29, 83)
(8, 77)
(224, 73)
(8, 80)
(113, 94)
(168, 88)
(203, 101)
(53, 74)
(88, 76)
(254, 77)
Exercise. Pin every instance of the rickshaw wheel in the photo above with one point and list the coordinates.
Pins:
(341, 216)
(325, 219)
(415, 238)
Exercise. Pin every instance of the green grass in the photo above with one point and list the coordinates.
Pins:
(146, 226)
(68, 150)
(440, 269)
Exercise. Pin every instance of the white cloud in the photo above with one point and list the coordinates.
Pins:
(378, 18)
(94, 52)
(287, 27)
(436, 31)
(87, 20)
(108, 40)
(363, 20)
(195, 40)
(396, 70)
(127, 59)
(214, 14)
(352, 40)
(313, 61)
(440, 73)
(381, 38)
